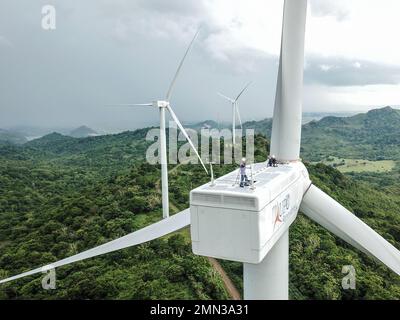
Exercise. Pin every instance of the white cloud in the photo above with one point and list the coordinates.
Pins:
(353, 29)
(326, 67)
(367, 33)
(373, 95)
(330, 8)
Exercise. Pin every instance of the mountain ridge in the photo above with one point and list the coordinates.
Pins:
(374, 135)
(83, 132)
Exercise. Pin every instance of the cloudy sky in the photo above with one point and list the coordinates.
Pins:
(120, 51)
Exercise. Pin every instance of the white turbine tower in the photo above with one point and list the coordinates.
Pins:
(235, 111)
(251, 225)
(162, 105)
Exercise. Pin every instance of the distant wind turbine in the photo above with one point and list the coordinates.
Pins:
(163, 105)
(235, 111)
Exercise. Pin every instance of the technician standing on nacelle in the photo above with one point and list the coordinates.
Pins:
(272, 161)
(243, 176)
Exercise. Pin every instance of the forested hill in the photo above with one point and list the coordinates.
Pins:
(112, 151)
(60, 196)
(373, 135)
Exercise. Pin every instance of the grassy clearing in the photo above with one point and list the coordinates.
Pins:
(359, 165)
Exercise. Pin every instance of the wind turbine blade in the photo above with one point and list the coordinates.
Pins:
(180, 66)
(238, 115)
(130, 105)
(151, 232)
(173, 115)
(225, 97)
(276, 118)
(286, 127)
(241, 92)
(324, 210)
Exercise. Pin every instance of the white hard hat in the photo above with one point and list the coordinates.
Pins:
(243, 159)
(273, 156)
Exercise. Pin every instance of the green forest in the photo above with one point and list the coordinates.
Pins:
(374, 135)
(61, 195)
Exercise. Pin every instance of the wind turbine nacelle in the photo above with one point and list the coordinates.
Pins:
(243, 224)
(160, 104)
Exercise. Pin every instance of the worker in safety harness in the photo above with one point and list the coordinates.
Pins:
(244, 181)
(272, 161)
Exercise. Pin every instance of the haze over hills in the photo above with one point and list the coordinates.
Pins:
(208, 124)
(374, 135)
(307, 117)
(7, 136)
(310, 116)
(34, 132)
(83, 132)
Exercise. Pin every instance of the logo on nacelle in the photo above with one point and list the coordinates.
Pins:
(280, 210)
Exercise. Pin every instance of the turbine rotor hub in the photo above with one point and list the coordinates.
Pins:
(160, 104)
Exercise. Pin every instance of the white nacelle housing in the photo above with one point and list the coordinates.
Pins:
(242, 224)
(160, 104)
